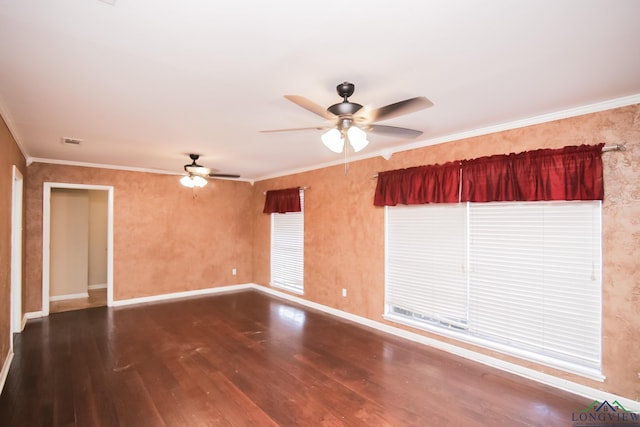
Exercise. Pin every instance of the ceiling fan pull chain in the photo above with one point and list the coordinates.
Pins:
(347, 147)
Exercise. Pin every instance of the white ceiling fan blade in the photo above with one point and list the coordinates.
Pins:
(400, 108)
(394, 131)
(309, 105)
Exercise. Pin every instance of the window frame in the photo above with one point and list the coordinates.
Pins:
(452, 330)
(287, 249)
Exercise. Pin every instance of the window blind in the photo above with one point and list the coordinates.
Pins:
(426, 262)
(535, 279)
(518, 277)
(287, 249)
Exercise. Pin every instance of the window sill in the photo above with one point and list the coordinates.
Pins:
(291, 289)
(583, 371)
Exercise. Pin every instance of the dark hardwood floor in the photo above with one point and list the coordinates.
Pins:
(247, 359)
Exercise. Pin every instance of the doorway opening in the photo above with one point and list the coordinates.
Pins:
(77, 247)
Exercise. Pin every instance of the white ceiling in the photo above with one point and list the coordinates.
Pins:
(144, 82)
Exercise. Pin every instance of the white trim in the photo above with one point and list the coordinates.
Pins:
(4, 373)
(69, 296)
(97, 286)
(8, 120)
(530, 121)
(33, 315)
(24, 321)
(110, 231)
(118, 167)
(287, 288)
(17, 224)
(592, 374)
(531, 374)
(184, 294)
(459, 307)
(46, 235)
(528, 373)
(101, 166)
(386, 153)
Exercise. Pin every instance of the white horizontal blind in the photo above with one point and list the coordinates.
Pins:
(426, 262)
(530, 281)
(287, 249)
(535, 277)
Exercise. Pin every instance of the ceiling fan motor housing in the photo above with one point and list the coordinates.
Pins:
(345, 89)
(345, 108)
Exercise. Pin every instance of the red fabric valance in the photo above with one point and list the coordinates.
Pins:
(569, 173)
(419, 185)
(282, 201)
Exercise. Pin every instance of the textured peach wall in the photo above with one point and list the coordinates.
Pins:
(165, 240)
(9, 155)
(344, 232)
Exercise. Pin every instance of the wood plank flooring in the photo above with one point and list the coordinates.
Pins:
(248, 359)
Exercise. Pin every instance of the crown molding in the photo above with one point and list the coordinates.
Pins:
(386, 153)
(530, 121)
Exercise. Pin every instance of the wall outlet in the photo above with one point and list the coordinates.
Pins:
(233, 271)
(344, 292)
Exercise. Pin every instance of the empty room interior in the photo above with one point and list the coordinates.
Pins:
(342, 213)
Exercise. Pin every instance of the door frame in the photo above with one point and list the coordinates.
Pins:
(46, 237)
(17, 239)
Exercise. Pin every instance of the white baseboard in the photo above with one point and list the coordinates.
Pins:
(185, 294)
(32, 315)
(97, 286)
(5, 369)
(531, 374)
(69, 296)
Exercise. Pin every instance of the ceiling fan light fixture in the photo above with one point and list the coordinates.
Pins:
(333, 140)
(357, 138)
(192, 181)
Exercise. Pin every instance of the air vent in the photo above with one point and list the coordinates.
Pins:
(71, 141)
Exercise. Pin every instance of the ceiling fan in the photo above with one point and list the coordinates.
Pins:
(196, 173)
(348, 121)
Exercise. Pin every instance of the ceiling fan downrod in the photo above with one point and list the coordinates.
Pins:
(345, 90)
(345, 108)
